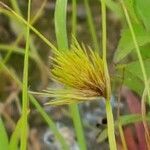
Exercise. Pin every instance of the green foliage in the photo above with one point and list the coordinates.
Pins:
(139, 15)
(142, 9)
(60, 24)
(130, 4)
(133, 75)
(126, 45)
(25, 98)
(3, 136)
(123, 120)
(134, 68)
(40, 109)
(138, 11)
(15, 137)
(91, 25)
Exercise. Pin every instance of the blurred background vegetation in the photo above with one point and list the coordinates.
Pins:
(12, 43)
(12, 49)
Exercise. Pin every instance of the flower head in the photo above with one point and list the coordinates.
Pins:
(81, 73)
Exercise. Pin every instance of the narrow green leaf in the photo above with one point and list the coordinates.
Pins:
(3, 137)
(40, 109)
(45, 116)
(49, 122)
(130, 4)
(25, 98)
(91, 25)
(137, 48)
(62, 41)
(60, 24)
(14, 140)
(126, 44)
(110, 126)
(74, 18)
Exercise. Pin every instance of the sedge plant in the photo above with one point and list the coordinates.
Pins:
(83, 74)
(111, 132)
(83, 77)
(25, 98)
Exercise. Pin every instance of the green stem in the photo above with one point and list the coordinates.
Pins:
(91, 25)
(122, 136)
(110, 123)
(25, 101)
(74, 18)
(137, 49)
(11, 12)
(40, 63)
(110, 119)
(78, 126)
(50, 123)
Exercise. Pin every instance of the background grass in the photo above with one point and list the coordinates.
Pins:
(138, 31)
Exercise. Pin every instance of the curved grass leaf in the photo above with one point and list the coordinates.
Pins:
(14, 140)
(60, 24)
(3, 136)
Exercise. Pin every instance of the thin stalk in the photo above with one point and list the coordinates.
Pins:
(118, 115)
(137, 49)
(43, 69)
(11, 12)
(78, 126)
(35, 18)
(39, 12)
(110, 126)
(25, 101)
(74, 17)
(110, 119)
(91, 25)
(50, 123)
(45, 116)
(143, 112)
(122, 136)
(15, 6)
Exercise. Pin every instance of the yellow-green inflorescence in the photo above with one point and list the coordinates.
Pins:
(82, 74)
